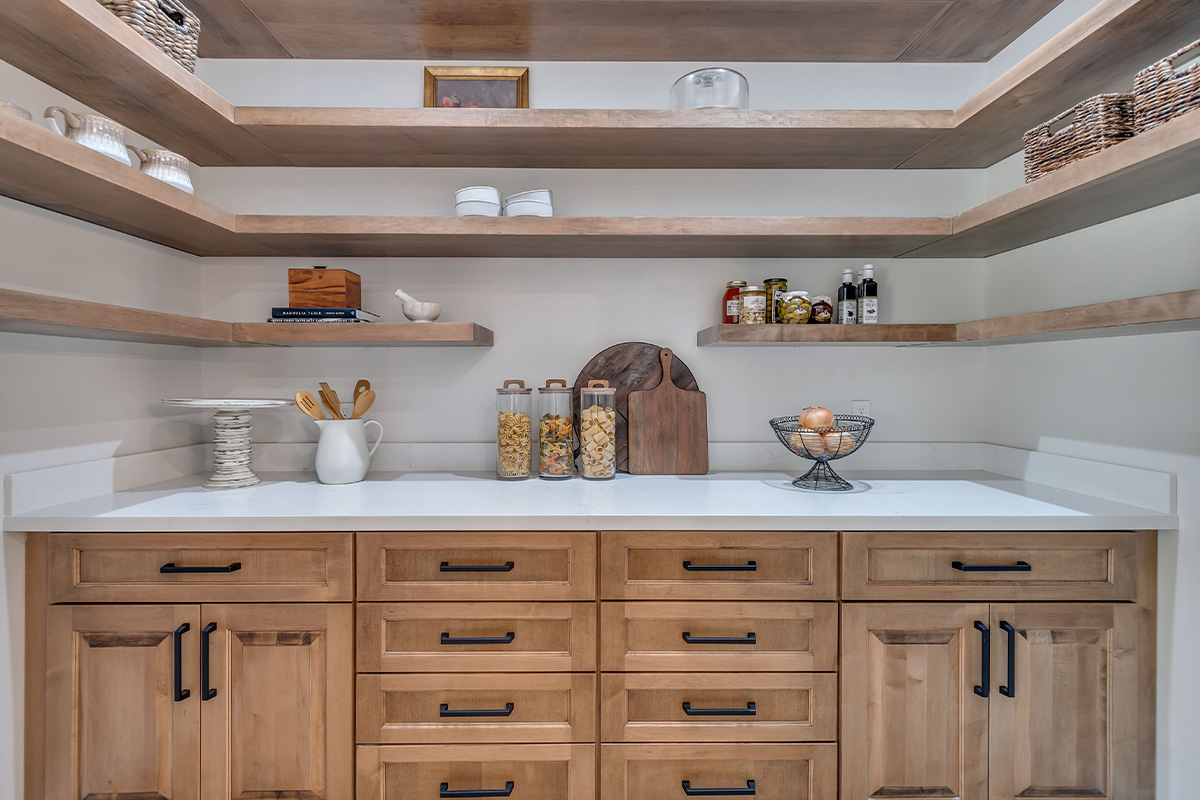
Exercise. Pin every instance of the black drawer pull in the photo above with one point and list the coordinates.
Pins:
(1010, 690)
(170, 568)
(505, 639)
(749, 638)
(483, 712)
(985, 657)
(507, 566)
(206, 691)
(181, 693)
(1020, 566)
(749, 566)
(505, 792)
(690, 792)
(749, 711)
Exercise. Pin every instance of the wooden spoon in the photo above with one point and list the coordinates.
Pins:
(359, 388)
(362, 403)
(308, 404)
(332, 402)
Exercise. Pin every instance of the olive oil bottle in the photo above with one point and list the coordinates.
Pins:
(868, 297)
(847, 307)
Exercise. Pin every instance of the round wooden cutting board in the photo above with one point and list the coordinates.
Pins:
(629, 367)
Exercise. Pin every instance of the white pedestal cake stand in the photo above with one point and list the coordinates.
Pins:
(231, 438)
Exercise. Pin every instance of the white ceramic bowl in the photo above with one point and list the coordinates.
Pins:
(422, 312)
(489, 194)
(476, 208)
(538, 195)
(528, 208)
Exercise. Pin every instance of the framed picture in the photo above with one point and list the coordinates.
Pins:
(477, 87)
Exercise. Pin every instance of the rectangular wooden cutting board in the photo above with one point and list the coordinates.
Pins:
(668, 428)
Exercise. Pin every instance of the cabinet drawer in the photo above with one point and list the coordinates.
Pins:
(200, 567)
(990, 566)
(535, 771)
(451, 709)
(679, 771)
(476, 637)
(719, 637)
(476, 566)
(719, 707)
(724, 565)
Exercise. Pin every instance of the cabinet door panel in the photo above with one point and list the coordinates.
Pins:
(1070, 728)
(912, 724)
(281, 724)
(114, 728)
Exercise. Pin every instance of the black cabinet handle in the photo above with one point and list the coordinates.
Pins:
(690, 792)
(171, 568)
(507, 566)
(1020, 566)
(749, 566)
(986, 653)
(1011, 689)
(206, 693)
(483, 712)
(505, 639)
(749, 711)
(181, 693)
(749, 638)
(446, 791)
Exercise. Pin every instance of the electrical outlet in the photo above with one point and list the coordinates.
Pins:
(860, 408)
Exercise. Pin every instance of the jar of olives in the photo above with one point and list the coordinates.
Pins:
(793, 308)
(754, 306)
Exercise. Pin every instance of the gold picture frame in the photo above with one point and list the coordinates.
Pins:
(444, 85)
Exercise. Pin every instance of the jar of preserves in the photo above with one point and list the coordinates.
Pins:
(754, 306)
(514, 442)
(731, 304)
(793, 308)
(556, 440)
(822, 309)
(597, 431)
(774, 287)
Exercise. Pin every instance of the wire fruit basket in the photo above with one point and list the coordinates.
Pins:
(822, 445)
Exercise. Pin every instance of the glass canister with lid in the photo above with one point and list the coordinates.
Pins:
(754, 306)
(711, 87)
(597, 430)
(556, 439)
(514, 443)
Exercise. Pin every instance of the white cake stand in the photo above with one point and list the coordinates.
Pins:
(231, 437)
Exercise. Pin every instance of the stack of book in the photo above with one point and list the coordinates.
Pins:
(279, 314)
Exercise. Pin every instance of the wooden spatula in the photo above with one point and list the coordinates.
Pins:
(668, 428)
(308, 404)
(359, 388)
(362, 404)
(332, 402)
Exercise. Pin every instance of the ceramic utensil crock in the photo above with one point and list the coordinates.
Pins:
(92, 131)
(342, 453)
(170, 168)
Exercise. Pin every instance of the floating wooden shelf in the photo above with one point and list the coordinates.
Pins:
(27, 312)
(62, 42)
(1162, 313)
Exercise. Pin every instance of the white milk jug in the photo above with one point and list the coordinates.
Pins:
(342, 454)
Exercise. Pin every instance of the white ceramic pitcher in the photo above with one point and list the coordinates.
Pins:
(92, 131)
(164, 165)
(342, 454)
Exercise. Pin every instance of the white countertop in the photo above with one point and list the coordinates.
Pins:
(941, 500)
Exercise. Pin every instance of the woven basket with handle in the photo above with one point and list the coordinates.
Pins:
(1099, 122)
(1160, 93)
(169, 25)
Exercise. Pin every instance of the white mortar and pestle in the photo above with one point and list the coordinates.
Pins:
(417, 310)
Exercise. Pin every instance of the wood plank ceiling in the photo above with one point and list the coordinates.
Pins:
(616, 30)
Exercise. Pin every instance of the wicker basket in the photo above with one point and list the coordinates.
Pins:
(1160, 93)
(169, 25)
(1100, 122)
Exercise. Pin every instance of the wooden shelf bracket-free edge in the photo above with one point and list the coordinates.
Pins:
(1161, 313)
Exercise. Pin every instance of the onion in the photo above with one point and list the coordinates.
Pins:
(807, 441)
(838, 442)
(816, 418)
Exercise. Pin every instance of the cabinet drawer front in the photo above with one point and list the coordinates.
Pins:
(719, 707)
(534, 771)
(200, 567)
(476, 566)
(679, 771)
(452, 709)
(725, 565)
(990, 566)
(476, 637)
(719, 637)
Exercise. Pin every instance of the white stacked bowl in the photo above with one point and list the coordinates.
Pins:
(534, 203)
(477, 201)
